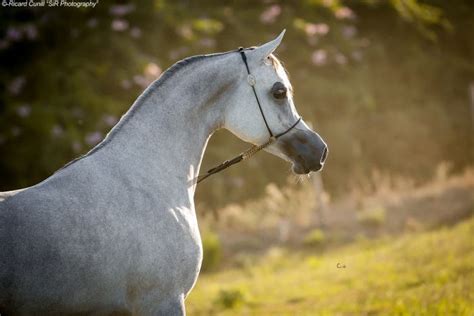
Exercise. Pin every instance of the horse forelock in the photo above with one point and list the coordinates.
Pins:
(277, 64)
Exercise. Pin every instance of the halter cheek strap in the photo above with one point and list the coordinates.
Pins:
(251, 80)
(255, 148)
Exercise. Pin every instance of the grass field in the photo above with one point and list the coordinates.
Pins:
(427, 273)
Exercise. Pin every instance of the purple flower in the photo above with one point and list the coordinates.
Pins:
(152, 70)
(23, 110)
(110, 120)
(121, 9)
(76, 146)
(57, 131)
(93, 138)
(207, 42)
(340, 59)
(319, 57)
(357, 55)
(270, 14)
(344, 13)
(14, 34)
(135, 32)
(16, 85)
(140, 80)
(31, 32)
(185, 31)
(312, 29)
(176, 53)
(126, 84)
(119, 25)
(349, 31)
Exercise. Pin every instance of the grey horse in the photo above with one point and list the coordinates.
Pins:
(115, 231)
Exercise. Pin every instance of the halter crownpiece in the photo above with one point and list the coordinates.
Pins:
(255, 148)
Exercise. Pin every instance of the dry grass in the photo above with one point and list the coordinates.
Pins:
(402, 250)
(286, 216)
(428, 273)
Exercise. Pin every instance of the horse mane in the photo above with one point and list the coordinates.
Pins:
(165, 76)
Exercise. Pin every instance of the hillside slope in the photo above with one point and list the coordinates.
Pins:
(429, 273)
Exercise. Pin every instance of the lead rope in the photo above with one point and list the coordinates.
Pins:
(255, 148)
(244, 155)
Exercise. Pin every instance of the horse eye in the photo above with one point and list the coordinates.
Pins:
(279, 90)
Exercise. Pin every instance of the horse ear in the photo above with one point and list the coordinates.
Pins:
(261, 52)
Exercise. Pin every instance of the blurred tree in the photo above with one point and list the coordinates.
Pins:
(383, 81)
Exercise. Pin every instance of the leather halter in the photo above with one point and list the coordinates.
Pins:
(255, 148)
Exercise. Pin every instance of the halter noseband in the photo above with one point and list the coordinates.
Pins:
(255, 148)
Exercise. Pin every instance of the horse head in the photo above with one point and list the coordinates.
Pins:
(271, 112)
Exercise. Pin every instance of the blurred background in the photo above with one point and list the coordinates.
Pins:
(385, 228)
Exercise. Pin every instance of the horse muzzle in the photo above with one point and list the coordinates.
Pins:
(305, 149)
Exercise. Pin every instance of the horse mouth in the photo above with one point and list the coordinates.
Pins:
(300, 168)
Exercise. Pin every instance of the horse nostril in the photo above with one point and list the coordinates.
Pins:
(324, 155)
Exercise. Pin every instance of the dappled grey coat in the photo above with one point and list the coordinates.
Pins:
(116, 230)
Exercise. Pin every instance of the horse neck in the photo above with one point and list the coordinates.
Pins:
(163, 137)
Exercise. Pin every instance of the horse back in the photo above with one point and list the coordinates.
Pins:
(49, 246)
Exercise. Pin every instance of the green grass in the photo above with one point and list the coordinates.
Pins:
(429, 273)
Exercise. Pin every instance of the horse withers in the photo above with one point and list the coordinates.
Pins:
(116, 230)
